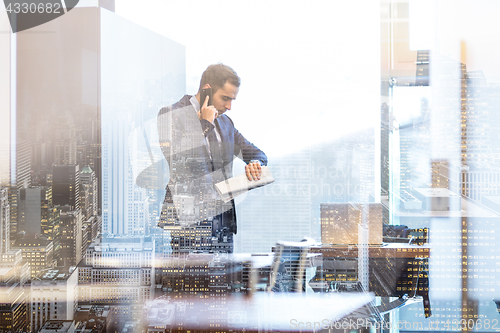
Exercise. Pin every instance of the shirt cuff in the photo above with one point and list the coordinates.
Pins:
(206, 126)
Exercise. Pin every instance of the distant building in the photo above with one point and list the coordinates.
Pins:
(340, 222)
(66, 186)
(95, 317)
(14, 274)
(35, 210)
(119, 272)
(58, 326)
(23, 180)
(70, 237)
(53, 296)
(89, 182)
(90, 230)
(38, 253)
(4, 220)
(159, 316)
(65, 142)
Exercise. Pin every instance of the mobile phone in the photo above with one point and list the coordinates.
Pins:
(203, 95)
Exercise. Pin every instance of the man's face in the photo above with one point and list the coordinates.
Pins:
(223, 97)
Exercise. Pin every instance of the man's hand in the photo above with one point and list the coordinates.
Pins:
(253, 170)
(207, 112)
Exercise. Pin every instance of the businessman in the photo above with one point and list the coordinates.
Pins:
(200, 142)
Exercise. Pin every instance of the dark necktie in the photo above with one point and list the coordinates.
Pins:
(215, 150)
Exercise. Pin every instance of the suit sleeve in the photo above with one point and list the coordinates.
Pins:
(246, 150)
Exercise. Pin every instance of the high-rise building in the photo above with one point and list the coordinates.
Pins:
(23, 164)
(119, 272)
(65, 143)
(70, 237)
(4, 220)
(66, 186)
(21, 179)
(14, 274)
(340, 222)
(89, 182)
(94, 224)
(35, 210)
(53, 296)
(38, 252)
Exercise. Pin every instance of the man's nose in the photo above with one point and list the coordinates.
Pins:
(228, 105)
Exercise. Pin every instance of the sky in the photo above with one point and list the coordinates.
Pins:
(309, 70)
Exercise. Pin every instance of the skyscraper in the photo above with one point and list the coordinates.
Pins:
(22, 179)
(53, 296)
(65, 143)
(89, 183)
(66, 186)
(35, 210)
(4, 221)
(70, 237)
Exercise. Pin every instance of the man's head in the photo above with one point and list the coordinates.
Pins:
(217, 75)
(225, 84)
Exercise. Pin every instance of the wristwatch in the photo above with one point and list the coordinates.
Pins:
(255, 161)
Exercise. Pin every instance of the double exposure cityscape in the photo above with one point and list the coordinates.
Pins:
(373, 127)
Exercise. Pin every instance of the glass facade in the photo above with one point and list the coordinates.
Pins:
(378, 121)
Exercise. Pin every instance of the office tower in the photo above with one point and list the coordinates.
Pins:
(129, 140)
(53, 296)
(188, 239)
(186, 229)
(70, 237)
(4, 220)
(37, 215)
(110, 108)
(7, 106)
(65, 142)
(199, 279)
(340, 222)
(66, 186)
(23, 164)
(14, 274)
(35, 210)
(92, 227)
(89, 183)
(38, 252)
(13, 312)
(118, 272)
(479, 176)
(21, 179)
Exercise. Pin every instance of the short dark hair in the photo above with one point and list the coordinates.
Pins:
(217, 75)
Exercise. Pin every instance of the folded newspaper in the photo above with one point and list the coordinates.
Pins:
(231, 188)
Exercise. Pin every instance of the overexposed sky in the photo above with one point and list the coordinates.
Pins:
(310, 70)
(443, 25)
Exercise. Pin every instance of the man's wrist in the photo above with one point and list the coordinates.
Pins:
(255, 161)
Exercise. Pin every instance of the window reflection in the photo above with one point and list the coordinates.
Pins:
(382, 139)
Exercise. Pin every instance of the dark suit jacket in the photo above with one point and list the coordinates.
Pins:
(192, 172)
